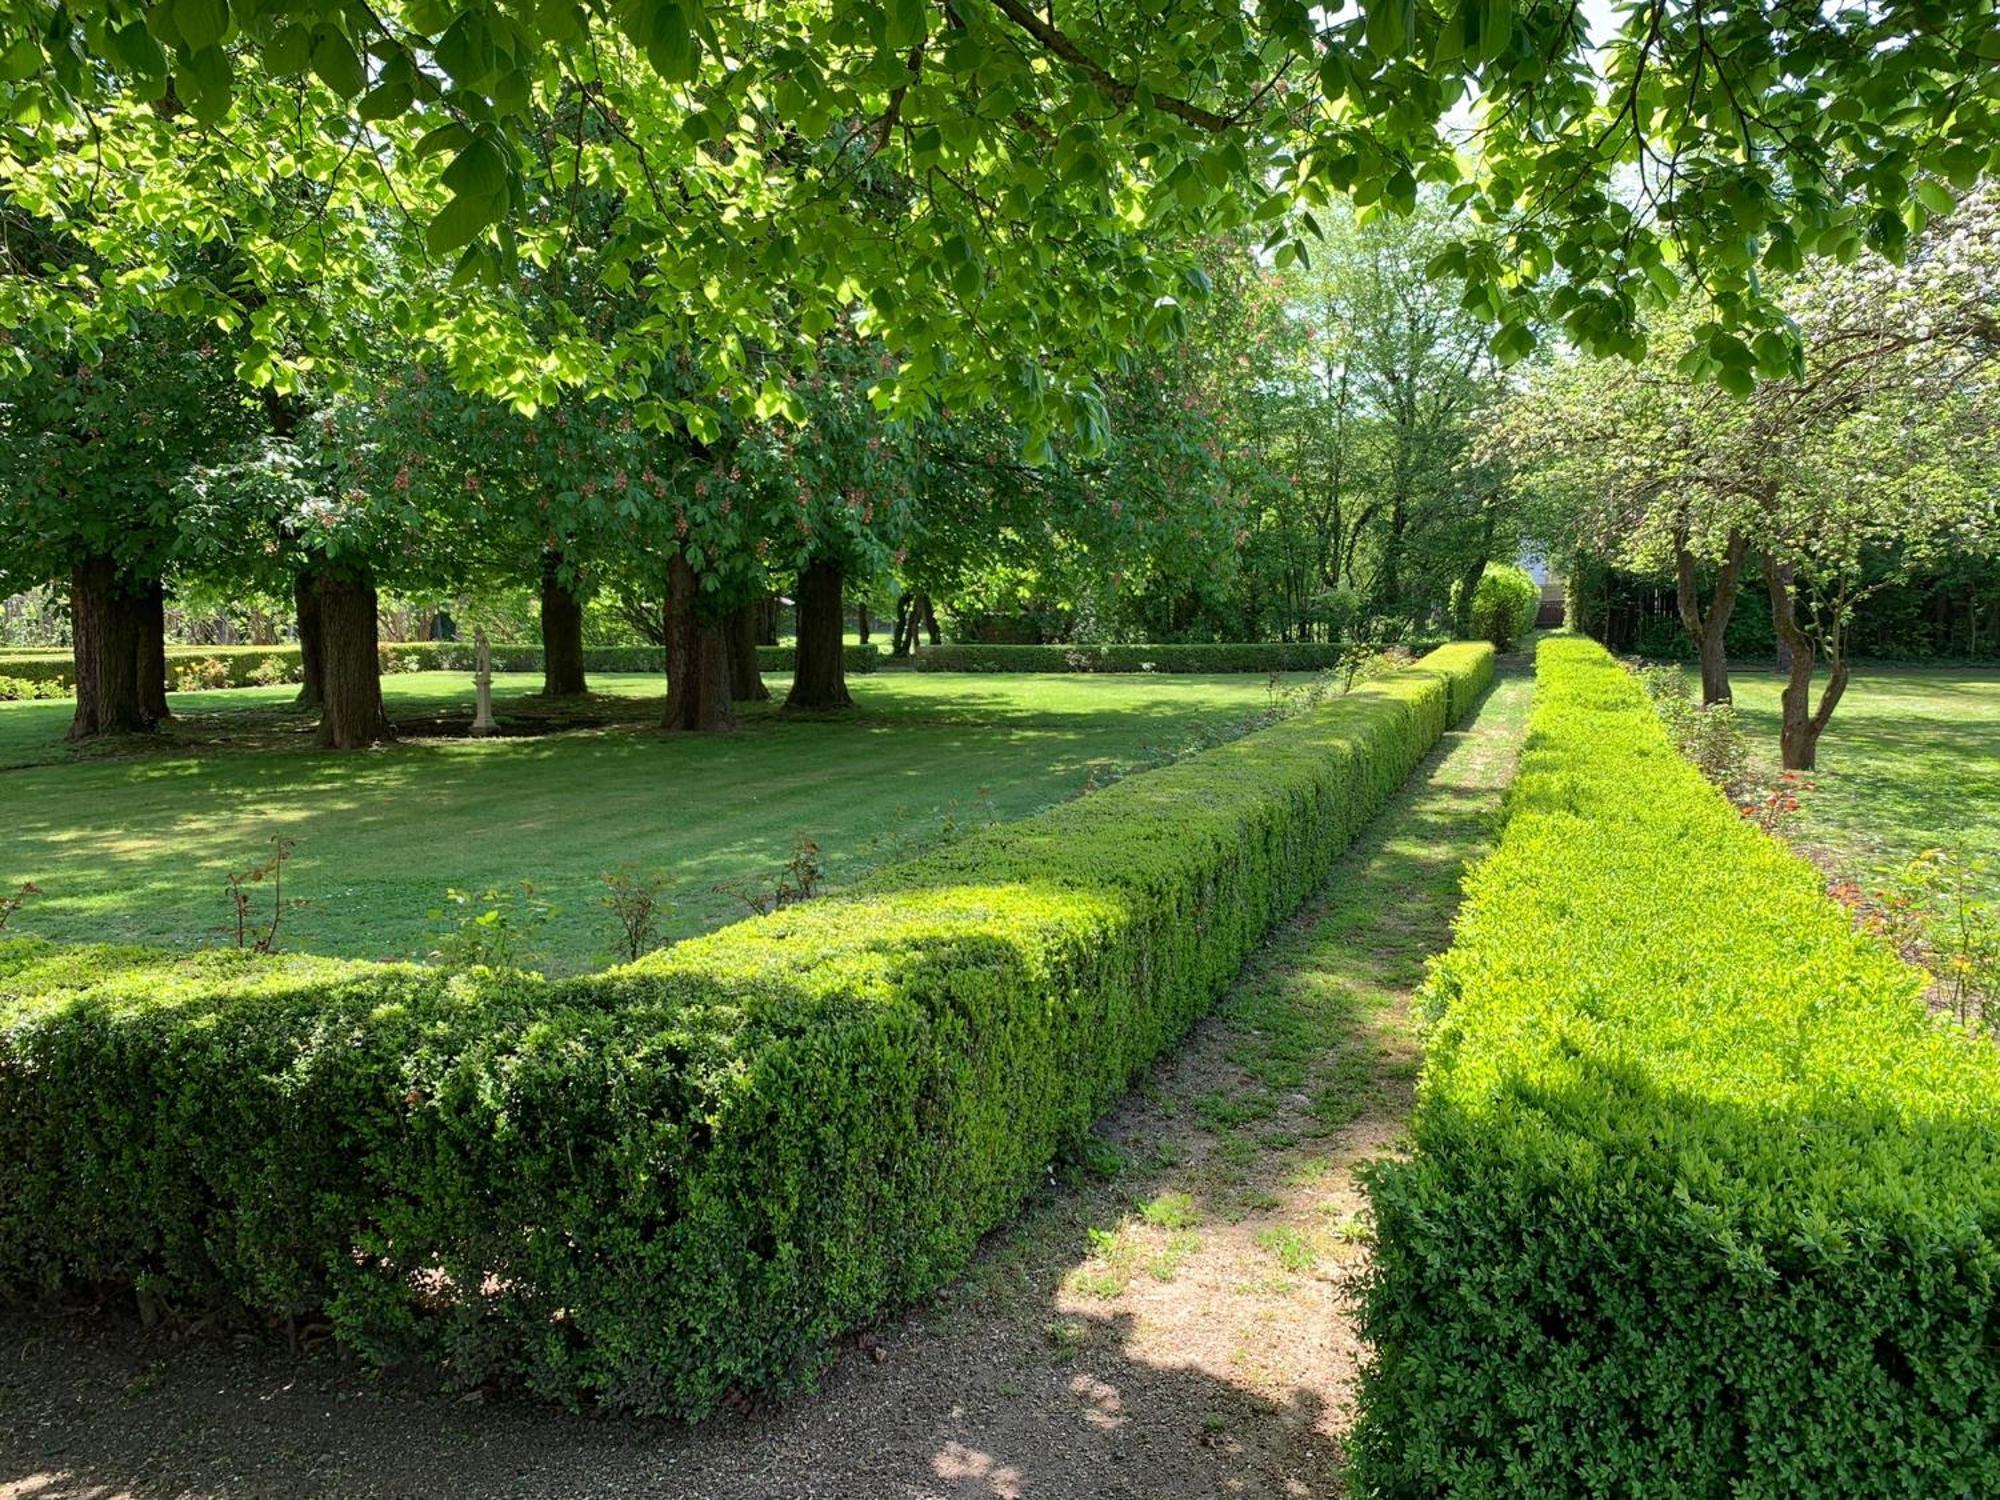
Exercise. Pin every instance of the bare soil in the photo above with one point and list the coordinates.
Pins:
(1175, 1321)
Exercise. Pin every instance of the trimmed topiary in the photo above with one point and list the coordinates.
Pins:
(1704, 1200)
(646, 1187)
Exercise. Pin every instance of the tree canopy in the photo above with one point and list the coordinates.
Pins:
(1003, 195)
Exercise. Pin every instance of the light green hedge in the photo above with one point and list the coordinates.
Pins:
(242, 664)
(1704, 1201)
(646, 1186)
(1245, 656)
(1504, 604)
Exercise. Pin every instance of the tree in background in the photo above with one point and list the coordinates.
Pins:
(1879, 456)
(93, 448)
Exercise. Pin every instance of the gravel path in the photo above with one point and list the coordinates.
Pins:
(1174, 1324)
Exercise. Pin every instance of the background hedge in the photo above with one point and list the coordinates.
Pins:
(1246, 656)
(243, 663)
(648, 1186)
(1704, 1200)
(1505, 602)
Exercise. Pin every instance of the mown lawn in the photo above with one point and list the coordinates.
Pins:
(135, 847)
(1911, 761)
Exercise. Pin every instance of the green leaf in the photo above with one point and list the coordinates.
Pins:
(334, 61)
(905, 23)
(459, 222)
(479, 171)
(1496, 25)
(138, 50)
(289, 51)
(1385, 27)
(1935, 196)
(201, 23)
(449, 137)
(466, 51)
(387, 100)
(21, 61)
(428, 16)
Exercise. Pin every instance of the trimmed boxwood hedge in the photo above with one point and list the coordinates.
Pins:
(1243, 656)
(409, 656)
(1704, 1201)
(649, 1186)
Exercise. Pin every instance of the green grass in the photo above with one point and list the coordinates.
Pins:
(135, 847)
(1911, 761)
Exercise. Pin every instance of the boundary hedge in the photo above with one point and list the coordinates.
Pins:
(1242, 656)
(649, 1186)
(242, 662)
(1704, 1201)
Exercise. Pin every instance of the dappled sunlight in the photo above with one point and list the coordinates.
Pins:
(1911, 760)
(135, 847)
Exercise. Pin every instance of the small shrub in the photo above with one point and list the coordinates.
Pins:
(496, 929)
(1775, 808)
(798, 881)
(275, 671)
(636, 903)
(251, 934)
(28, 689)
(11, 904)
(1504, 602)
(1712, 737)
(206, 675)
(1708, 734)
(1936, 909)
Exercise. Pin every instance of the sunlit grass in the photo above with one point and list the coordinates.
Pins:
(1911, 761)
(135, 848)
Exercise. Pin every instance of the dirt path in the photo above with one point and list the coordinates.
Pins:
(1173, 1325)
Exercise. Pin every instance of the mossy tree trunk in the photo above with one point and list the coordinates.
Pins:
(697, 660)
(106, 627)
(746, 683)
(819, 672)
(312, 640)
(1709, 628)
(1800, 724)
(151, 602)
(562, 633)
(351, 713)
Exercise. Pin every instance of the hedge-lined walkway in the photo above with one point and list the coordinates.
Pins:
(1172, 1326)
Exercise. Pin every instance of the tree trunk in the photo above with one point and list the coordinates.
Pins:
(1709, 629)
(697, 661)
(312, 639)
(351, 714)
(819, 673)
(151, 606)
(105, 632)
(861, 621)
(562, 633)
(903, 634)
(929, 614)
(1799, 723)
(767, 621)
(746, 683)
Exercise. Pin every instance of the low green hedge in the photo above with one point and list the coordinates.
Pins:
(1504, 604)
(647, 1186)
(1704, 1201)
(1243, 656)
(241, 665)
